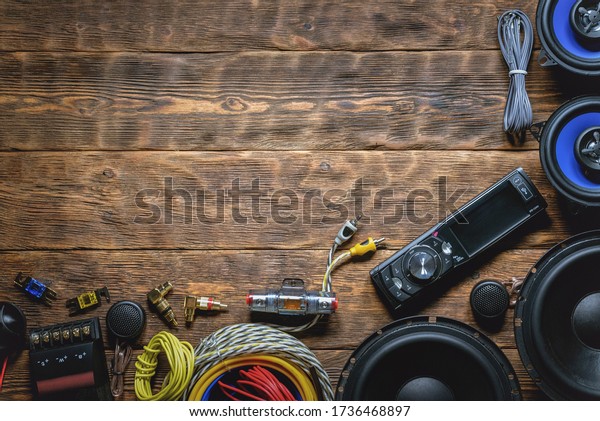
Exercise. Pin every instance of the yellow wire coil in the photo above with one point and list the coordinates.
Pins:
(180, 355)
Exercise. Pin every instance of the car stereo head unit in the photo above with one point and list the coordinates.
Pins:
(406, 279)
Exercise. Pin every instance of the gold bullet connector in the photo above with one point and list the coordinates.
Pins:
(193, 303)
(156, 298)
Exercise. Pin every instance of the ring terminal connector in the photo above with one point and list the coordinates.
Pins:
(193, 303)
(292, 299)
(157, 300)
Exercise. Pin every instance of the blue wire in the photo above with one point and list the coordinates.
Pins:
(206, 395)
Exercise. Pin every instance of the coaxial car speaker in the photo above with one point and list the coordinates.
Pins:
(427, 358)
(570, 151)
(570, 34)
(557, 320)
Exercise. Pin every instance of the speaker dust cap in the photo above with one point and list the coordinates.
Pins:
(570, 151)
(570, 35)
(557, 320)
(427, 358)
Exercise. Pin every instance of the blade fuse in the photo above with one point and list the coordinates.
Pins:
(292, 299)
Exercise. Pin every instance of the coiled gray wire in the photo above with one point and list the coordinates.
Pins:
(515, 35)
(252, 338)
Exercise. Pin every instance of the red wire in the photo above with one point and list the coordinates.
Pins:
(235, 389)
(266, 393)
(284, 392)
(253, 380)
(258, 383)
(3, 371)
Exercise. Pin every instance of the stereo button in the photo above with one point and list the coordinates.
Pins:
(422, 266)
(386, 276)
(411, 288)
(398, 294)
(446, 248)
(522, 187)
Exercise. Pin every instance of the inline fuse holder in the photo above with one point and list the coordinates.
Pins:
(292, 299)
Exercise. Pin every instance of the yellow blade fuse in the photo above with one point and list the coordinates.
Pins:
(87, 301)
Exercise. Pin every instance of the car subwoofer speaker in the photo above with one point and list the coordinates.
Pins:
(570, 34)
(570, 151)
(427, 358)
(557, 320)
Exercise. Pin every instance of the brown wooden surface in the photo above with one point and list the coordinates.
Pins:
(101, 100)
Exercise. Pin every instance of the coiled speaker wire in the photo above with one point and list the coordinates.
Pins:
(251, 344)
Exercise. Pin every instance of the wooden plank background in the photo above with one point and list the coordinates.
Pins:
(105, 105)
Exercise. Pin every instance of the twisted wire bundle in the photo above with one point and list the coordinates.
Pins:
(180, 355)
(515, 35)
(248, 340)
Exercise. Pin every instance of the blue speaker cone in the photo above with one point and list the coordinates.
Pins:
(570, 151)
(585, 21)
(570, 34)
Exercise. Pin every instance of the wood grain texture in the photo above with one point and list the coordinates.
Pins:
(118, 119)
(158, 200)
(229, 275)
(265, 101)
(192, 26)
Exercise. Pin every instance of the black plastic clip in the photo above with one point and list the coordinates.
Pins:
(536, 130)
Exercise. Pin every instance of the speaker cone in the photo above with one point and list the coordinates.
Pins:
(427, 358)
(570, 35)
(557, 320)
(570, 151)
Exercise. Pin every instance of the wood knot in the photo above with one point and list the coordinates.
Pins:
(234, 104)
(167, 32)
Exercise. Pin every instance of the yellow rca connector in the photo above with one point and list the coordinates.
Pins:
(193, 303)
(157, 300)
(369, 245)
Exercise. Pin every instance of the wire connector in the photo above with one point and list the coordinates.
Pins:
(193, 303)
(348, 230)
(157, 300)
(367, 246)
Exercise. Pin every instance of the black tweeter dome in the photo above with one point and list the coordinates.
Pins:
(570, 151)
(427, 358)
(570, 34)
(557, 320)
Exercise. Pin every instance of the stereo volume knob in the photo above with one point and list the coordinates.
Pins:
(422, 265)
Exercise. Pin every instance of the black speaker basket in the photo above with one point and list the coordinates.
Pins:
(557, 320)
(427, 358)
(570, 151)
(570, 35)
